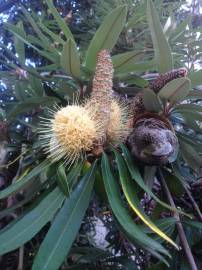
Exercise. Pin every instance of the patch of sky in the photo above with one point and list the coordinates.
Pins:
(28, 62)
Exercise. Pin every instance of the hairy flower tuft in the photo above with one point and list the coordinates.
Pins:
(70, 133)
(118, 128)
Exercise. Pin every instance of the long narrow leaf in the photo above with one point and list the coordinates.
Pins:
(61, 22)
(31, 103)
(24, 180)
(46, 42)
(70, 59)
(135, 174)
(19, 45)
(26, 39)
(64, 229)
(162, 49)
(125, 61)
(107, 34)
(128, 190)
(122, 214)
(27, 226)
(175, 90)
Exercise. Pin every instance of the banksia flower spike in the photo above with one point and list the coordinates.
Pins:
(70, 133)
(101, 95)
(89, 127)
(113, 114)
(119, 123)
(137, 104)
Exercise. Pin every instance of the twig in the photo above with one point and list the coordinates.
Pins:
(11, 198)
(21, 257)
(182, 236)
(193, 202)
(13, 161)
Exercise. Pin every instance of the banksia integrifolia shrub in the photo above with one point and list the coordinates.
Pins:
(153, 140)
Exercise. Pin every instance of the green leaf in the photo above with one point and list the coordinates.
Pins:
(175, 185)
(31, 103)
(2, 114)
(195, 224)
(32, 222)
(121, 213)
(138, 16)
(195, 94)
(192, 140)
(124, 62)
(62, 180)
(170, 25)
(190, 121)
(45, 41)
(130, 194)
(55, 37)
(180, 29)
(24, 180)
(28, 40)
(191, 156)
(107, 35)
(139, 67)
(36, 85)
(196, 78)
(65, 226)
(70, 59)
(135, 174)
(191, 115)
(151, 101)
(175, 90)
(132, 79)
(19, 45)
(19, 90)
(162, 49)
(74, 174)
(61, 22)
(187, 108)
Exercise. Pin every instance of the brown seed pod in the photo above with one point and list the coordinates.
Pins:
(153, 140)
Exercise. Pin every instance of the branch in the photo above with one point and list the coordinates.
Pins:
(182, 236)
(193, 202)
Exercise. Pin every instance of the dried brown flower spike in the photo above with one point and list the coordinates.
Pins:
(153, 140)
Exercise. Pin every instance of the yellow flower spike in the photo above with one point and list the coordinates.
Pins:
(70, 133)
(118, 128)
